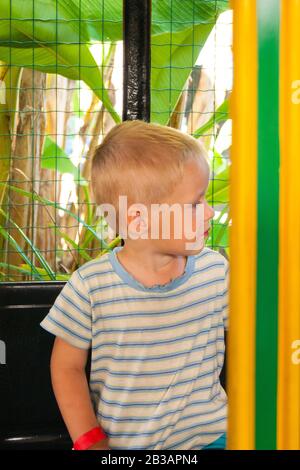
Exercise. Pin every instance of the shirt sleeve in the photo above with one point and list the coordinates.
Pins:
(225, 297)
(70, 317)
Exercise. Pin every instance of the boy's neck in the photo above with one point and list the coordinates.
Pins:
(152, 268)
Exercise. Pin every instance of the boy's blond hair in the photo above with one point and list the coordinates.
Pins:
(143, 161)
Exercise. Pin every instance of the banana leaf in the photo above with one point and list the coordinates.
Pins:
(49, 36)
(178, 35)
(54, 36)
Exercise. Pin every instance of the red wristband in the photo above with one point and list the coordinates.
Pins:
(89, 438)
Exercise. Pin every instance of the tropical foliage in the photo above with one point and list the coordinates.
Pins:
(53, 55)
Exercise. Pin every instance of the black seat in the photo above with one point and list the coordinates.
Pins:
(30, 418)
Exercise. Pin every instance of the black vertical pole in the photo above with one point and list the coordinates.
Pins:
(136, 75)
(136, 60)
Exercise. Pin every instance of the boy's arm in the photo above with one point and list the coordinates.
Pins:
(72, 391)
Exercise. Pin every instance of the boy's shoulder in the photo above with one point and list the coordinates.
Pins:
(96, 266)
(208, 257)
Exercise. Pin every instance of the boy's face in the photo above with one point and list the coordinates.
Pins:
(190, 190)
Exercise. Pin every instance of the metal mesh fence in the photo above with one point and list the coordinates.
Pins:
(61, 72)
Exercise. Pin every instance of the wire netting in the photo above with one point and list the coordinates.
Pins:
(61, 91)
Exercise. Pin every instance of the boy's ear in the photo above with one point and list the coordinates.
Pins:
(137, 210)
(132, 216)
(137, 219)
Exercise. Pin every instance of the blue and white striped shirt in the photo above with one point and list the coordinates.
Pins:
(157, 352)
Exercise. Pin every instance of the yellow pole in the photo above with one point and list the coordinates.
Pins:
(243, 189)
(288, 404)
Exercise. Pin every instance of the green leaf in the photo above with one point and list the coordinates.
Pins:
(35, 250)
(53, 40)
(110, 247)
(219, 235)
(172, 61)
(54, 36)
(219, 163)
(178, 15)
(39, 274)
(17, 247)
(174, 52)
(55, 158)
(219, 115)
(47, 202)
(218, 189)
(90, 212)
(101, 20)
(76, 103)
(75, 245)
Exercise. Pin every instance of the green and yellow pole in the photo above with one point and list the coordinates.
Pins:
(268, 13)
(243, 207)
(263, 370)
(288, 418)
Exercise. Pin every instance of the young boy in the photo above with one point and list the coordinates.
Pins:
(153, 311)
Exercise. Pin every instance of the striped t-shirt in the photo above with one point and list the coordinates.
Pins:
(156, 352)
